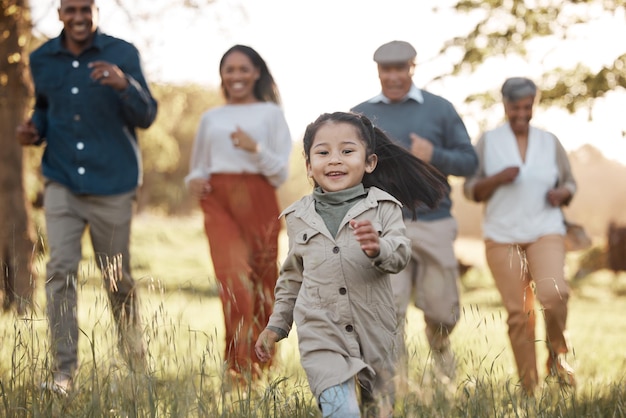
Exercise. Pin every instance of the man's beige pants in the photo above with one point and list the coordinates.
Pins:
(109, 222)
(430, 281)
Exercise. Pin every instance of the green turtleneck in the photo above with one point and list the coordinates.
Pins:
(333, 206)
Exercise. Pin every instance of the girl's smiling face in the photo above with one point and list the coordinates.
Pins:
(338, 158)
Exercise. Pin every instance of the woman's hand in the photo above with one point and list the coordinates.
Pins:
(558, 196)
(265, 344)
(508, 175)
(367, 236)
(484, 188)
(243, 141)
(199, 188)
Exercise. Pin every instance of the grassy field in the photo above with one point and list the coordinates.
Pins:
(184, 333)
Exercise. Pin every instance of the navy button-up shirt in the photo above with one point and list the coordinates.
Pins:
(88, 128)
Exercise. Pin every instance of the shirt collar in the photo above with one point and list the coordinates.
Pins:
(413, 94)
(57, 43)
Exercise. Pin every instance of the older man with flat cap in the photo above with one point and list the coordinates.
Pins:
(429, 126)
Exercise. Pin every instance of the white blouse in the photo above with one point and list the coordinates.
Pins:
(214, 152)
(519, 212)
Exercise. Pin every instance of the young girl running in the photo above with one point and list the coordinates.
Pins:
(344, 240)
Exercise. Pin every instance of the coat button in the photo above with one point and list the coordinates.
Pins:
(336, 250)
(342, 291)
(349, 328)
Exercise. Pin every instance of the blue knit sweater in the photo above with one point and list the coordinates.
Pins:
(437, 121)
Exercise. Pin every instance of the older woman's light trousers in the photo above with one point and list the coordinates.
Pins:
(523, 272)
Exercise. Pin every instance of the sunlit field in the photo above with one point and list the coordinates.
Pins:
(184, 332)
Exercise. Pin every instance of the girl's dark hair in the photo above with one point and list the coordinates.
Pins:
(398, 172)
(265, 89)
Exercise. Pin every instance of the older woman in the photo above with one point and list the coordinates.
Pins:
(524, 178)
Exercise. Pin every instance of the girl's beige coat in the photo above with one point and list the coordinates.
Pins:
(340, 299)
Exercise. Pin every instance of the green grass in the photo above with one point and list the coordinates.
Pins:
(184, 336)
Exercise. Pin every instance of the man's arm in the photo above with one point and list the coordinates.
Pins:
(457, 156)
(139, 107)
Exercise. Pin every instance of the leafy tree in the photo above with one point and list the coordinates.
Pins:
(505, 28)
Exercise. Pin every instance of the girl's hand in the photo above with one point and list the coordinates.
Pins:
(367, 236)
(264, 347)
(199, 188)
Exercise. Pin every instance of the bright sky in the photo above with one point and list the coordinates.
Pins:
(320, 53)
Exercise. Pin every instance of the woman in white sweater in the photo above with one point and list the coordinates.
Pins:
(240, 157)
(524, 178)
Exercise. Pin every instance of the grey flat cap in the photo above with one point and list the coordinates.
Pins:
(395, 52)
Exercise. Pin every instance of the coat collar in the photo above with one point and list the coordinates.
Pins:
(304, 208)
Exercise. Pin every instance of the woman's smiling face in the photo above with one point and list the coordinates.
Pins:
(519, 113)
(239, 75)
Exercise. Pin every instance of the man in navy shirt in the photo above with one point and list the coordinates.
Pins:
(90, 96)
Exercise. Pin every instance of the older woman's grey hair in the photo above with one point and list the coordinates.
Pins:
(516, 88)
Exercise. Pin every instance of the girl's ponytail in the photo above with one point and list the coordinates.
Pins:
(409, 179)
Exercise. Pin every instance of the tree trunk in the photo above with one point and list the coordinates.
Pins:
(16, 239)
